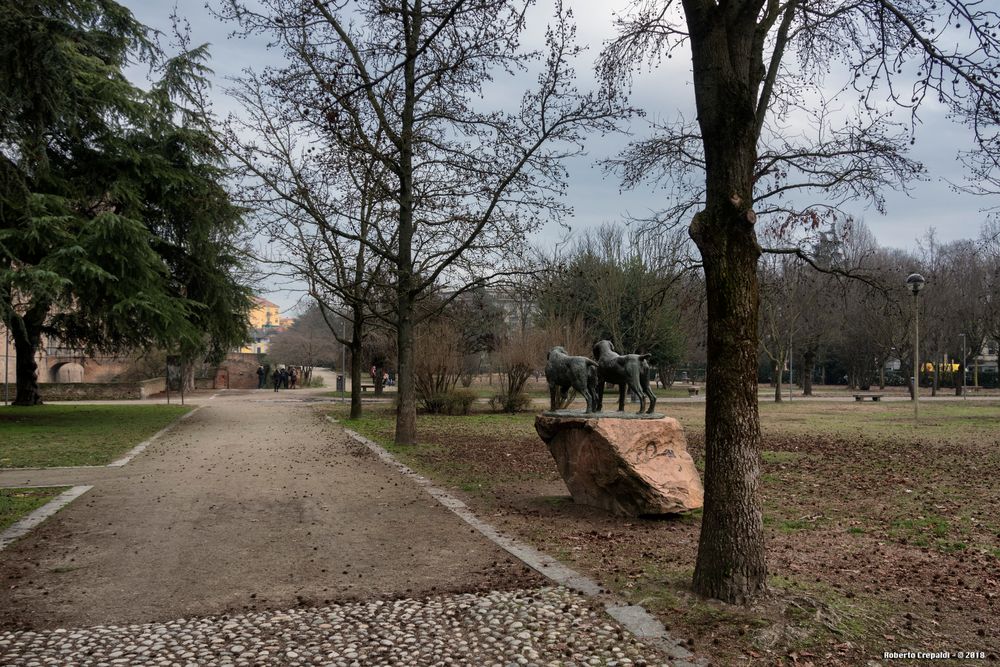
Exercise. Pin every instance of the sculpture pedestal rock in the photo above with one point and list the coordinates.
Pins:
(624, 465)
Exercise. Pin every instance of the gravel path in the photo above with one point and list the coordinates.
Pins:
(249, 505)
(548, 626)
(256, 533)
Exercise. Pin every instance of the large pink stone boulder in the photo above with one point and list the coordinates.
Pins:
(627, 466)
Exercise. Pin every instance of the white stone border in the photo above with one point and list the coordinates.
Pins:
(24, 526)
(633, 618)
(138, 449)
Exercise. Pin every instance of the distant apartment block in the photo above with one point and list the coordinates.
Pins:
(265, 320)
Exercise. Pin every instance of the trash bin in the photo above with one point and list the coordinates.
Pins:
(340, 383)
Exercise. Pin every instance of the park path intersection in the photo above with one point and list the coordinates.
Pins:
(255, 532)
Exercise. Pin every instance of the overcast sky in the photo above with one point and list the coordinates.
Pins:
(595, 196)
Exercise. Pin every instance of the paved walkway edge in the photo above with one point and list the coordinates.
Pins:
(21, 528)
(138, 449)
(633, 618)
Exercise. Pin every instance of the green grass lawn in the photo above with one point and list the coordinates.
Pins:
(16, 503)
(47, 436)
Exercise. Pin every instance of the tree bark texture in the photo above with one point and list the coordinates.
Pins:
(731, 563)
(934, 385)
(26, 331)
(406, 405)
(377, 380)
(808, 366)
(357, 331)
(726, 58)
(778, 371)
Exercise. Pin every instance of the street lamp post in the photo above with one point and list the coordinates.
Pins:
(915, 282)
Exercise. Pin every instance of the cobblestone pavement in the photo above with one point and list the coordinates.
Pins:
(548, 626)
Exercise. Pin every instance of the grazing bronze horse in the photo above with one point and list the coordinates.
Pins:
(564, 371)
(625, 370)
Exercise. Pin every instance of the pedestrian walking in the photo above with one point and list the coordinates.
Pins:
(276, 379)
(284, 378)
(261, 377)
(293, 377)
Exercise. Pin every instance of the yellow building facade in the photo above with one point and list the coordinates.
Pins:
(264, 314)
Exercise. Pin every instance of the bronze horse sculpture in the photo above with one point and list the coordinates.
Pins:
(564, 371)
(629, 371)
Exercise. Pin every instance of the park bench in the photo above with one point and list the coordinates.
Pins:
(861, 397)
(692, 391)
(366, 387)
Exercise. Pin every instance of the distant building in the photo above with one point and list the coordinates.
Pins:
(264, 314)
(260, 341)
(265, 321)
(986, 360)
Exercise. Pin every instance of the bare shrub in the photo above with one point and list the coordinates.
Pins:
(437, 363)
(520, 355)
(570, 333)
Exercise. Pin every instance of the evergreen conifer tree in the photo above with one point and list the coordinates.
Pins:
(115, 230)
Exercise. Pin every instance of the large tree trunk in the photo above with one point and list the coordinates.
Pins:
(730, 562)
(26, 367)
(908, 374)
(406, 405)
(778, 370)
(26, 331)
(727, 74)
(406, 402)
(808, 366)
(934, 383)
(377, 379)
(357, 331)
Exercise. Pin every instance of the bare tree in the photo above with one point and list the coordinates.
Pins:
(967, 277)
(518, 356)
(747, 91)
(989, 242)
(439, 358)
(307, 343)
(624, 287)
(392, 83)
(788, 294)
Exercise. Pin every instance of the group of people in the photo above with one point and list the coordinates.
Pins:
(387, 380)
(281, 378)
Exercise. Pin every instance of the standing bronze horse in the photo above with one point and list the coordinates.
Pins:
(629, 371)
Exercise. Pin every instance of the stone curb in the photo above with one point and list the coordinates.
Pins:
(633, 618)
(24, 526)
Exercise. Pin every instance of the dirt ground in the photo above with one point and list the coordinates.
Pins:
(875, 543)
(254, 502)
